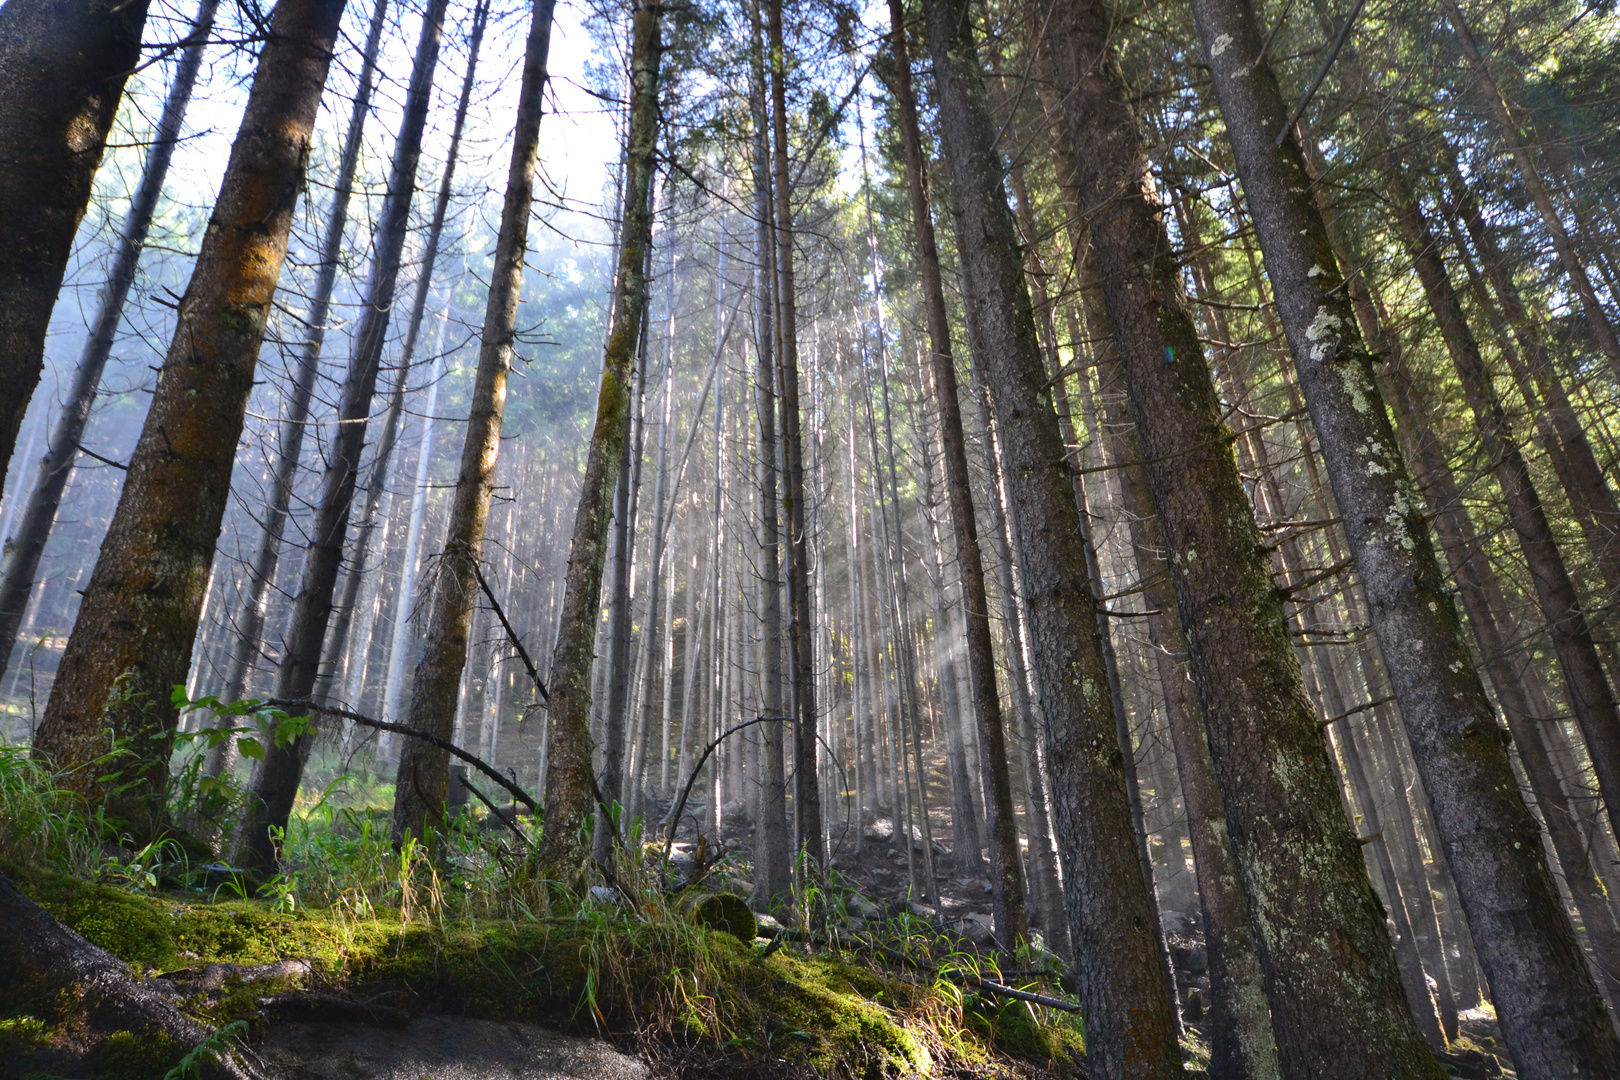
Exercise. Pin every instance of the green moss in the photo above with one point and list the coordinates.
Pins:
(127, 1055)
(727, 912)
(1015, 1028)
(668, 977)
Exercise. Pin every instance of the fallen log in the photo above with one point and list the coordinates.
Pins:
(85, 997)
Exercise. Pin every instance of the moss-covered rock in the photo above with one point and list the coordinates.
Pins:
(726, 912)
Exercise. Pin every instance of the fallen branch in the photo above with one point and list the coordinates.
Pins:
(400, 729)
(954, 974)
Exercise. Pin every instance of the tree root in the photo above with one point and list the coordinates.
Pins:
(87, 998)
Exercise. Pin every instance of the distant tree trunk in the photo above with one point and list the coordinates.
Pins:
(423, 781)
(63, 64)
(386, 441)
(1591, 697)
(1006, 879)
(1551, 1015)
(262, 575)
(801, 635)
(1124, 990)
(133, 639)
(1569, 449)
(23, 550)
(619, 629)
(276, 776)
(569, 785)
(1507, 127)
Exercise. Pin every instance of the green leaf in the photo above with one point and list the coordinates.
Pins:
(251, 748)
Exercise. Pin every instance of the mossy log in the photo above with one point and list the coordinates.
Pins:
(71, 1009)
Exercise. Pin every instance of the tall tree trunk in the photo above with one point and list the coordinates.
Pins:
(377, 480)
(1591, 697)
(423, 780)
(1241, 1040)
(801, 635)
(276, 775)
(1550, 1012)
(1570, 450)
(1125, 995)
(248, 652)
(133, 639)
(63, 64)
(1507, 127)
(1006, 879)
(569, 785)
(772, 848)
(23, 550)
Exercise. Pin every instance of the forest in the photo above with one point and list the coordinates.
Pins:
(749, 538)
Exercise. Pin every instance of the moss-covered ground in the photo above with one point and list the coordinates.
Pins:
(653, 975)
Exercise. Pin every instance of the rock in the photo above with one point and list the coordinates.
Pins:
(881, 829)
(882, 874)
(861, 907)
(977, 929)
(601, 894)
(922, 911)
(443, 1047)
(728, 913)
(767, 924)
(733, 813)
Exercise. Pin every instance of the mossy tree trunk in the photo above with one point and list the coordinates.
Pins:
(247, 652)
(132, 642)
(423, 780)
(569, 787)
(277, 774)
(23, 551)
(1551, 1015)
(1124, 989)
(63, 64)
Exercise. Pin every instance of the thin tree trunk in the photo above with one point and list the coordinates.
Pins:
(24, 548)
(1130, 1017)
(570, 783)
(63, 64)
(801, 636)
(277, 774)
(247, 653)
(1590, 695)
(1507, 127)
(423, 779)
(377, 480)
(133, 639)
(1006, 879)
(1524, 937)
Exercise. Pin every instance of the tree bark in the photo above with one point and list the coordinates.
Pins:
(801, 634)
(377, 480)
(24, 548)
(46, 967)
(63, 64)
(277, 774)
(1124, 990)
(423, 780)
(1551, 1015)
(569, 785)
(133, 639)
(1006, 877)
(262, 575)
